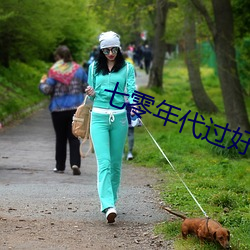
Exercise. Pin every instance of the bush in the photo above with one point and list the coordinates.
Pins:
(19, 88)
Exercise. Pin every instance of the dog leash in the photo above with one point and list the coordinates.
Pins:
(175, 170)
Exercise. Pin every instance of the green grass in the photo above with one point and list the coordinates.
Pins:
(19, 88)
(218, 178)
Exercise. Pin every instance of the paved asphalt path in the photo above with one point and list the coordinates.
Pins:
(27, 161)
(26, 164)
(31, 190)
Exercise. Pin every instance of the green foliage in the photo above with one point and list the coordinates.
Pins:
(29, 33)
(220, 182)
(176, 18)
(175, 25)
(241, 17)
(243, 60)
(128, 18)
(19, 87)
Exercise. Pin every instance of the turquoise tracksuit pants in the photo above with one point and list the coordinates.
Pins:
(108, 133)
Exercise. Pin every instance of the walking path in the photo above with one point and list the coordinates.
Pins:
(141, 78)
(40, 209)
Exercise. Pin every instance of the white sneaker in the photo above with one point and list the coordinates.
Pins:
(58, 171)
(111, 214)
(129, 156)
(76, 170)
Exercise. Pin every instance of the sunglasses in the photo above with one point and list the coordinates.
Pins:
(106, 51)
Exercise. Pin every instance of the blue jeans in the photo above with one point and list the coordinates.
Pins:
(108, 138)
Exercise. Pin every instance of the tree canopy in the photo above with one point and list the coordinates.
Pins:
(27, 32)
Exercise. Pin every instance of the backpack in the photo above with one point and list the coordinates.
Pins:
(81, 125)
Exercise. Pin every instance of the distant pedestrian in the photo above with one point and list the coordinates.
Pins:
(65, 84)
(147, 54)
(93, 55)
(109, 125)
(138, 54)
(130, 127)
(131, 138)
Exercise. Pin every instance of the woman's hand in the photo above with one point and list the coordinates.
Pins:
(133, 110)
(90, 91)
(43, 79)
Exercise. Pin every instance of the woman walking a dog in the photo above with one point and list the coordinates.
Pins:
(109, 125)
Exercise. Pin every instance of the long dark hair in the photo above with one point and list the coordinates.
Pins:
(102, 67)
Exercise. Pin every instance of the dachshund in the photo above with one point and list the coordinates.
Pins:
(204, 229)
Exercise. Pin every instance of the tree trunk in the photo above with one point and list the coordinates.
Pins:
(159, 46)
(223, 38)
(234, 103)
(201, 99)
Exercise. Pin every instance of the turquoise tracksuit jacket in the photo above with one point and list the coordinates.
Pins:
(125, 78)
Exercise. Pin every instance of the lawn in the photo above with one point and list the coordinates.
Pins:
(218, 178)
